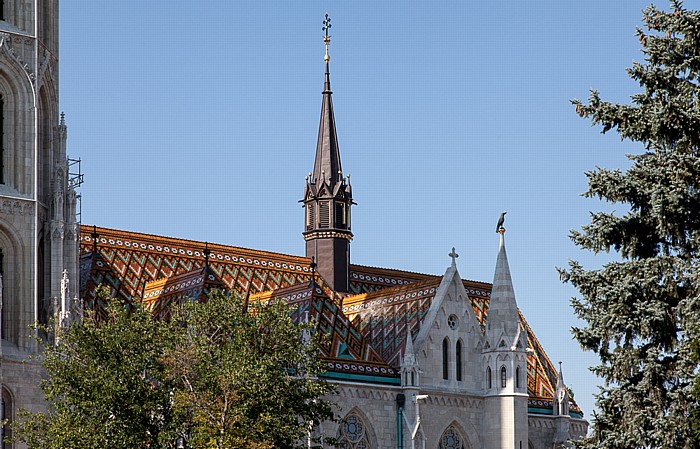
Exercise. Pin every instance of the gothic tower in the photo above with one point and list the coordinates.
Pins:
(505, 363)
(328, 198)
(38, 230)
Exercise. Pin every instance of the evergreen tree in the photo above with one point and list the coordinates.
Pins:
(642, 311)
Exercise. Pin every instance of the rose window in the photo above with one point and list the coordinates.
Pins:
(452, 322)
(451, 439)
(351, 434)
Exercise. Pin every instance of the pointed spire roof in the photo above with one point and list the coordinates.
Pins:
(409, 356)
(503, 310)
(327, 165)
(560, 379)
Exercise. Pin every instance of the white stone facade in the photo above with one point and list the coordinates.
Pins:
(448, 401)
(38, 229)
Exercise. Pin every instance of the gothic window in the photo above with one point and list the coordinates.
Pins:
(5, 414)
(451, 439)
(517, 377)
(503, 377)
(458, 359)
(352, 434)
(488, 378)
(310, 216)
(445, 359)
(413, 378)
(2, 129)
(452, 322)
(2, 295)
(324, 218)
(339, 215)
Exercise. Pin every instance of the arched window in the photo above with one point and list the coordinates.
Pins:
(451, 439)
(517, 377)
(413, 378)
(310, 216)
(2, 294)
(5, 414)
(324, 214)
(352, 433)
(2, 130)
(458, 359)
(445, 359)
(489, 384)
(503, 377)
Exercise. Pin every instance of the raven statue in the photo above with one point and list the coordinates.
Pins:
(501, 219)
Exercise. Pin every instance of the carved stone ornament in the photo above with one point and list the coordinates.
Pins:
(16, 207)
(57, 230)
(6, 47)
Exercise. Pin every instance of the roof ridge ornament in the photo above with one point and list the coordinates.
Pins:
(94, 236)
(207, 252)
(499, 226)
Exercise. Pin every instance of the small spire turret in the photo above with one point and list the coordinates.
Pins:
(561, 395)
(503, 317)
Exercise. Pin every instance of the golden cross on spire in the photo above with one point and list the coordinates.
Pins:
(327, 38)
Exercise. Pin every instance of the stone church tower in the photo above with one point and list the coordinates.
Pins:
(38, 229)
(505, 363)
(328, 198)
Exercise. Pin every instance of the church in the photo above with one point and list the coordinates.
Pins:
(418, 360)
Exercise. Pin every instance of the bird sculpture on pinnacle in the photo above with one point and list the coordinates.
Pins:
(499, 227)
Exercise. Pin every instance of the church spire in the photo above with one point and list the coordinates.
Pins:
(327, 166)
(503, 317)
(328, 196)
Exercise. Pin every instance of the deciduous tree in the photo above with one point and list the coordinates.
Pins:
(214, 376)
(247, 378)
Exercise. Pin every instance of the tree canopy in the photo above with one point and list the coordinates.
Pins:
(642, 311)
(213, 376)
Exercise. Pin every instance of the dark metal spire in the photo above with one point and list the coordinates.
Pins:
(207, 252)
(327, 165)
(94, 236)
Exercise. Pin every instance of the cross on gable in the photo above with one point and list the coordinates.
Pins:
(454, 257)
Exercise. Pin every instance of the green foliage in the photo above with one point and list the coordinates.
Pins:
(101, 385)
(642, 312)
(214, 375)
(246, 379)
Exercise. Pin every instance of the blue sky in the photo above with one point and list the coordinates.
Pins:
(199, 119)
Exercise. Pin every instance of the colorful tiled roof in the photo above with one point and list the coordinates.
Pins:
(135, 259)
(367, 328)
(344, 349)
(195, 285)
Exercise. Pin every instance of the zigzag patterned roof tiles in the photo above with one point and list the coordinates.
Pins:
(367, 327)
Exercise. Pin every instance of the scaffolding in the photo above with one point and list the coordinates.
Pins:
(75, 180)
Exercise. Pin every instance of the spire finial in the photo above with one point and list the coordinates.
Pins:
(499, 227)
(313, 266)
(327, 38)
(94, 236)
(207, 252)
(454, 257)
